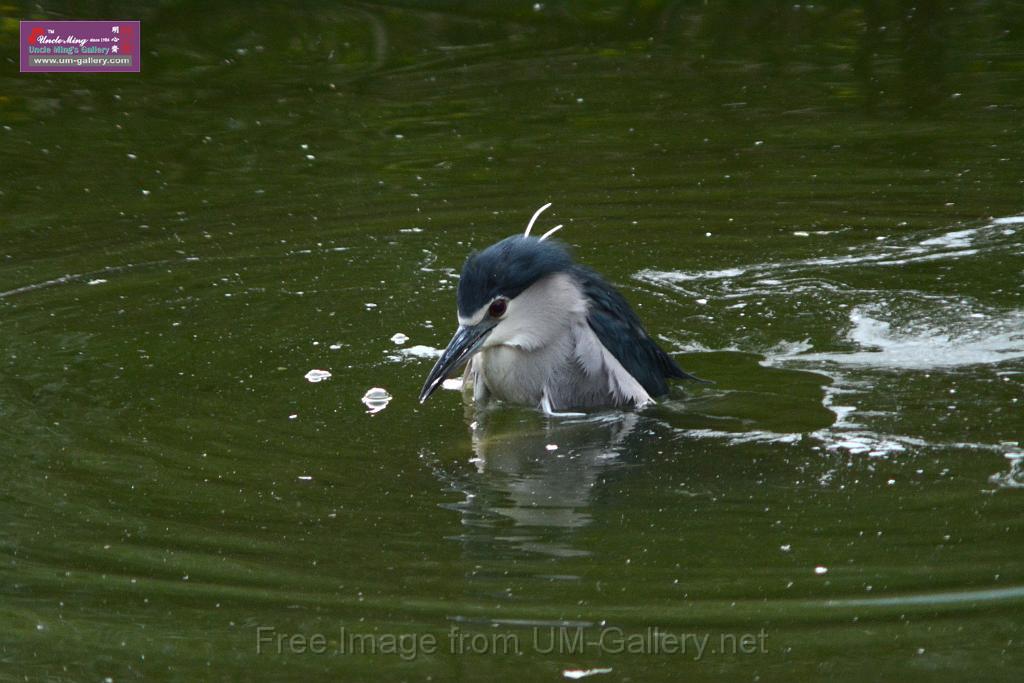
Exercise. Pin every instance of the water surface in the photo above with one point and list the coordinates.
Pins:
(821, 209)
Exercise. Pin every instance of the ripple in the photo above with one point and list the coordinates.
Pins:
(952, 598)
(942, 245)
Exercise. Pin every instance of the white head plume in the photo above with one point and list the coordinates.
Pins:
(550, 232)
(529, 226)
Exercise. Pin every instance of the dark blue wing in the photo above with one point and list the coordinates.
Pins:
(622, 333)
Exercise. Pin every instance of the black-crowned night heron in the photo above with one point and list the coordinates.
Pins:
(539, 330)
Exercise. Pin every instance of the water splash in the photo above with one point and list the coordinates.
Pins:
(985, 339)
(1013, 478)
(860, 332)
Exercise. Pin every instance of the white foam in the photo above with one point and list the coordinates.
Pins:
(678, 276)
(958, 239)
(1013, 478)
(755, 436)
(417, 351)
(882, 346)
(857, 443)
(785, 349)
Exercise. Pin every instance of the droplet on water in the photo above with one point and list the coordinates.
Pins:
(399, 338)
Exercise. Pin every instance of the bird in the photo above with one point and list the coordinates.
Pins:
(538, 329)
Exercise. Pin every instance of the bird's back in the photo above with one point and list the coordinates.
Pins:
(619, 329)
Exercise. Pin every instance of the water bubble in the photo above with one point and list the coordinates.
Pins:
(376, 400)
(399, 338)
(576, 674)
(315, 376)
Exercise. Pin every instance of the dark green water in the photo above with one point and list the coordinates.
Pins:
(820, 208)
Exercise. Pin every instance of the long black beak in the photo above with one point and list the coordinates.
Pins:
(464, 344)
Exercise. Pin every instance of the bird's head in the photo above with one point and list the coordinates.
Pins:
(497, 300)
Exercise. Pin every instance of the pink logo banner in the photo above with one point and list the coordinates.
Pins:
(81, 46)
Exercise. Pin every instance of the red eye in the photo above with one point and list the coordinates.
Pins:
(498, 307)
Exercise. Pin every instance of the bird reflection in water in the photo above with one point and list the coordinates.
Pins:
(536, 478)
